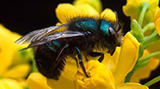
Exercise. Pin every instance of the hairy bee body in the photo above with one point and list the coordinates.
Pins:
(81, 35)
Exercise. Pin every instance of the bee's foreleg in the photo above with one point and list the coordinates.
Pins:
(95, 54)
(81, 62)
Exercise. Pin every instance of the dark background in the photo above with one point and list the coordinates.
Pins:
(23, 16)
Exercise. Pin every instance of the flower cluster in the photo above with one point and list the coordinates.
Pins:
(145, 28)
(14, 64)
(132, 61)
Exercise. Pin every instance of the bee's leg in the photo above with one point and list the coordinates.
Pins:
(76, 60)
(95, 54)
(81, 62)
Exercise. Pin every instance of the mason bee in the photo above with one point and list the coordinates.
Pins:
(80, 35)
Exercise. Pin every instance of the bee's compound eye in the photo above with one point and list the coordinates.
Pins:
(111, 31)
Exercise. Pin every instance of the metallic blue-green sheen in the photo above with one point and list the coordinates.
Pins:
(90, 24)
(51, 48)
(104, 27)
(56, 43)
(87, 24)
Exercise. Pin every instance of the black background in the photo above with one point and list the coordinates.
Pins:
(23, 16)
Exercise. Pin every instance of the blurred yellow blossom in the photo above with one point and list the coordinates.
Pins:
(157, 21)
(10, 84)
(10, 55)
(133, 9)
(15, 64)
(17, 72)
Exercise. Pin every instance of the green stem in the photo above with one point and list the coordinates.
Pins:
(149, 40)
(141, 63)
(144, 61)
(152, 55)
(145, 6)
(149, 26)
(153, 81)
(129, 75)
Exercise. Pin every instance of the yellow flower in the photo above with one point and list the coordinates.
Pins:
(9, 84)
(13, 62)
(111, 73)
(133, 9)
(96, 4)
(157, 21)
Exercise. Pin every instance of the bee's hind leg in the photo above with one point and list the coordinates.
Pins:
(81, 62)
(95, 54)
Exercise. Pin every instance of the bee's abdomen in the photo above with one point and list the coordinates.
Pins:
(46, 57)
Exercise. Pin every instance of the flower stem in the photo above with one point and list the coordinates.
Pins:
(141, 63)
(145, 6)
(129, 75)
(149, 26)
(153, 81)
(144, 61)
(149, 40)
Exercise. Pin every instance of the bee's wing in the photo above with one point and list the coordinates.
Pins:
(58, 35)
(37, 34)
(64, 34)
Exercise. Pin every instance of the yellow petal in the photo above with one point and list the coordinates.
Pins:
(108, 15)
(132, 86)
(9, 51)
(65, 12)
(96, 4)
(157, 14)
(157, 26)
(128, 57)
(6, 47)
(111, 61)
(100, 77)
(37, 81)
(19, 71)
(87, 11)
(130, 7)
(67, 76)
(154, 47)
(10, 84)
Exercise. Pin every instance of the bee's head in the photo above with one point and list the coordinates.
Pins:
(111, 36)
